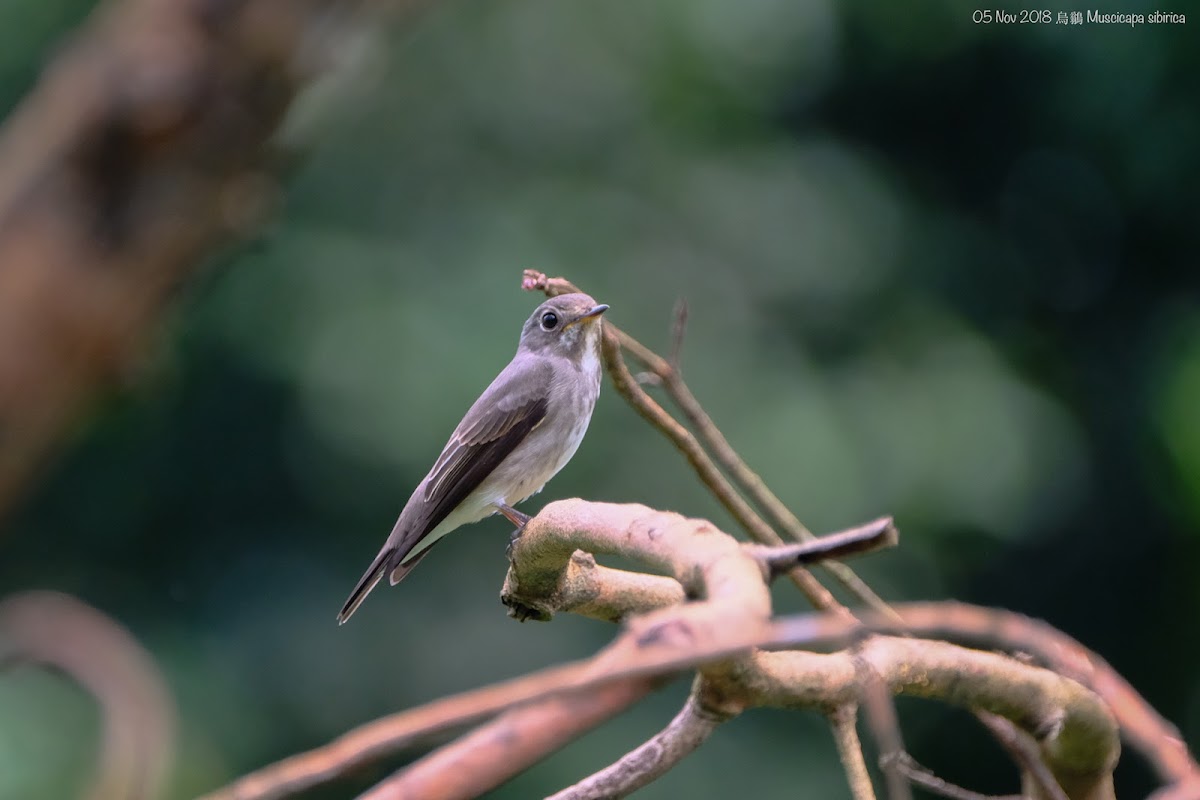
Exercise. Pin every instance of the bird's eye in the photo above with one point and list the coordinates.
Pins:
(549, 321)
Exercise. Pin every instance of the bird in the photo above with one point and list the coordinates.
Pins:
(521, 431)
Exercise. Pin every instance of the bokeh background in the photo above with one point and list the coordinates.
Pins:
(936, 269)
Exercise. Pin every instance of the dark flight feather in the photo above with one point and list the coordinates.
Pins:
(471, 459)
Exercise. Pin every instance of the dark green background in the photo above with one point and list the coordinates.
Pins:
(940, 270)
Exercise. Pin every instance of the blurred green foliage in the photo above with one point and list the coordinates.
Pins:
(935, 269)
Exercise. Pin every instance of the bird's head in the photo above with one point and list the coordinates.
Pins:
(568, 325)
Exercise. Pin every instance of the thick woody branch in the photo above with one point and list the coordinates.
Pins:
(559, 579)
(55, 630)
(690, 728)
(588, 589)
(686, 548)
(705, 562)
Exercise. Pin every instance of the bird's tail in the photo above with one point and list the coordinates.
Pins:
(381, 564)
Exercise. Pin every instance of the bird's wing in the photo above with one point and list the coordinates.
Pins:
(507, 412)
(511, 408)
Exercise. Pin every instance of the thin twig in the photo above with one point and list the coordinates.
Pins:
(678, 330)
(875, 535)
(844, 722)
(1024, 751)
(648, 762)
(884, 725)
(921, 776)
(509, 744)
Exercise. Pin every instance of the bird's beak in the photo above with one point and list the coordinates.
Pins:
(593, 312)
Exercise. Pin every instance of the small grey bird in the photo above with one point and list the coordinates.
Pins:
(521, 431)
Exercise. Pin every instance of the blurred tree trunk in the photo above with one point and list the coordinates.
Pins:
(140, 151)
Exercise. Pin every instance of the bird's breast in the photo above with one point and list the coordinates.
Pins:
(549, 447)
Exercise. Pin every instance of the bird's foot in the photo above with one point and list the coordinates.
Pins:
(521, 612)
(512, 542)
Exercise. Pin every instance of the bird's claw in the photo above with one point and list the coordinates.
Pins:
(512, 542)
(522, 613)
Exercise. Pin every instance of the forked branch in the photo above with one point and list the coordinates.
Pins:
(721, 633)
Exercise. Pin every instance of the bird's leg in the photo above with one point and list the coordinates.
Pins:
(516, 518)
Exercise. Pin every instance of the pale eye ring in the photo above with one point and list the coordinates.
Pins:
(549, 321)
